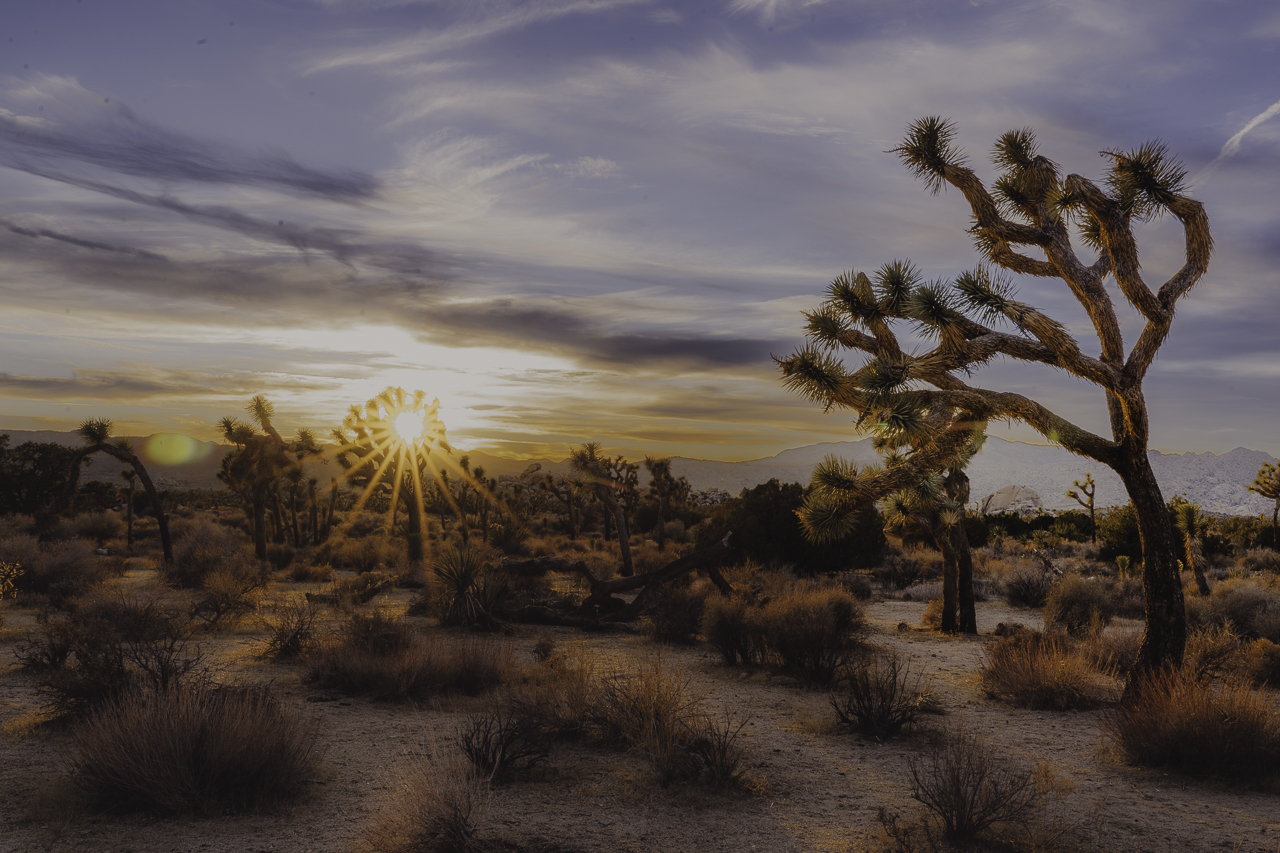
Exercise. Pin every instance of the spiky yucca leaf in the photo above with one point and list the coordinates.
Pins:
(988, 295)
(933, 307)
(1013, 196)
(815, 375)
(1015, 149)
(1144, 180)
(881, 375)
(928, 150)
(904, 420)
(851, 292)
(894, 282)
(826, 516)
(836, 474)
(826, 326)
(95, 430)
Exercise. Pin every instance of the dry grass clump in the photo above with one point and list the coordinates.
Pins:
(1225, 729)
(109, 646)
(380, 657)
(1028, 587)
(501, 741)
(192, 748)
(976, 798)
(307, 572)
(228, 594)
(880, 696)
(1040, 671)
(810, 631)
(438, 806)
(900, 569)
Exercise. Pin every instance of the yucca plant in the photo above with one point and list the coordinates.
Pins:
(464, 594)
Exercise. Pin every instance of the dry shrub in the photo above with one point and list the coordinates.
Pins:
(1259, 560)
(973, 796)
(1040, 671)
(901, 569)
(559, 694)
(880, 696)
(381, 659)
(202, 546)
(192, 747)
(1176, 720)
(730, 626)
(1111, 652)
(654, 712)
(107, 648)
(1262, 663)
(1249, 607)
(813, 632)
(302, 572)
(809, 630)
(228, 594)
(931, 618)
(438, 806)
(1080, 604)
(290, 624)
(1213, 652)
(675, 612)
(58, 571)
(1027, 587)
(97, 526)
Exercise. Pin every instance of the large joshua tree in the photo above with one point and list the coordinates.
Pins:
(932, 395)
(1267, 484)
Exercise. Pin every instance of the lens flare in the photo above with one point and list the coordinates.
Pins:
(409, 426)
(171, 448)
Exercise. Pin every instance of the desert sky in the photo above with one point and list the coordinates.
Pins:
(583, 219)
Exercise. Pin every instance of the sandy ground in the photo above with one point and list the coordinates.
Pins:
(820, 788)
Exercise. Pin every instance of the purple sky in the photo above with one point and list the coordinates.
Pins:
(582, 219)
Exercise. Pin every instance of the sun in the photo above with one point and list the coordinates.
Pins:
(409, 426)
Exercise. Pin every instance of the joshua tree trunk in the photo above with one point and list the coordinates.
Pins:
(259, 510)
(1164, 640)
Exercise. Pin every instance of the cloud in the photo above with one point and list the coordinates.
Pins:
(591, 167)
(1232, 145)
(73, 127)
(138, 382)
(82, 243)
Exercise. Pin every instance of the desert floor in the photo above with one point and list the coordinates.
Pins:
(817, 788)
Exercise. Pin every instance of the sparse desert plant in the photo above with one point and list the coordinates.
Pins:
(97, 526)
(193, 747)
(1249, 607)
(290, 624)
(975, 794)
(499, 742)
(1080, 604)
(459, 572)
(280, 555)
(1226, 729)
(510, 538)
(1040, 671)
(1262, 663)
(9, 573)
(1214, 651)
(559, 694)
(880, 695)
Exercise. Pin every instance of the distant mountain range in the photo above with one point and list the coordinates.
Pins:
(1217, 483)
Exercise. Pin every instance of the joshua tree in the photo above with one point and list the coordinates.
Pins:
(568, 491)
(130, 477)
(393, 444)
(253, 470)
(1087, 488)
(933, 393)
(1267, 484)
(608, 478)
(96, 434)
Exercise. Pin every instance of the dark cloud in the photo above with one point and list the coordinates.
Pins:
(584, 337)
(84, 244)
(116, 139)
(137, 382)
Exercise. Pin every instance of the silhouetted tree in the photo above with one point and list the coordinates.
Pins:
(1030, 204)
(608, 479)
(96, 434)
(129, 477)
